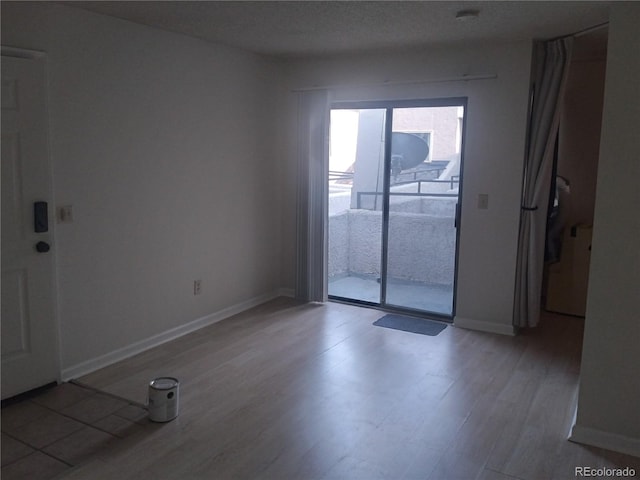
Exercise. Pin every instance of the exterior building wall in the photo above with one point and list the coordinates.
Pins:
(421, 241)
(443, 120)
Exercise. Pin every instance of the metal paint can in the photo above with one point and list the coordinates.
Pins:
(163, 399)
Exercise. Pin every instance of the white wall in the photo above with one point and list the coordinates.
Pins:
(494, 151)
(608, 413)
(164, 145)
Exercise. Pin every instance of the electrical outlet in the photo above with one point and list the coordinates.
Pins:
(197, 287)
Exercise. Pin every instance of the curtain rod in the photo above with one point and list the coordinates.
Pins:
(461, 78)
(580, 33)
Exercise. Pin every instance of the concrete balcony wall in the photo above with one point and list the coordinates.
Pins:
(339, 202)
(338, 244)
(421, 241)
(364, 242)
(421, 248)
(434, 206)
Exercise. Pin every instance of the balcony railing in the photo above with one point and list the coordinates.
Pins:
(401, 194)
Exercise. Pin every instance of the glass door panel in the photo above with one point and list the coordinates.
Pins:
(356, 186)
(393, 206)
(423, 194)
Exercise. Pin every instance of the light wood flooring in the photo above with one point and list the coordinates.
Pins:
(310, 391)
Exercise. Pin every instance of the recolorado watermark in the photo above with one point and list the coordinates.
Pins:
(603, 472)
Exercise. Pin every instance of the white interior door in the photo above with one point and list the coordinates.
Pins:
(29, 334)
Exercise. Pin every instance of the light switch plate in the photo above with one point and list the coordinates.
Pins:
(483, 201)
(65, 214)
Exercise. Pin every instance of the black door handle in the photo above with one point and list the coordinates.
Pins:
(42, 247)
(40, 217)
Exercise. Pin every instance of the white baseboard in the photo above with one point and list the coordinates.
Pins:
(102, 361)
(483, 326)
(606, 440)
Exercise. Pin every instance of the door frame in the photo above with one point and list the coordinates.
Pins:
(41, 56)
(389, 105)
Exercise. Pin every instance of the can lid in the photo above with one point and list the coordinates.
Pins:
(164, 383)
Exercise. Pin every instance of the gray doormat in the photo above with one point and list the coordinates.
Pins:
(410, 324)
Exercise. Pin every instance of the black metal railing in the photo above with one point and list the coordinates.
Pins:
(335, 175)
(451, 182)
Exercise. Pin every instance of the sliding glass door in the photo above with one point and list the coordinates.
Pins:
(356, 187)
(394, 186)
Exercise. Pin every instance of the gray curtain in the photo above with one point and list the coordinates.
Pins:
(313, 169)
(551, 66)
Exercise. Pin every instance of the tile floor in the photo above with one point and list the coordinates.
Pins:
(46, 435)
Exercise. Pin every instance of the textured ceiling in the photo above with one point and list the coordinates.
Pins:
(291, 29)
